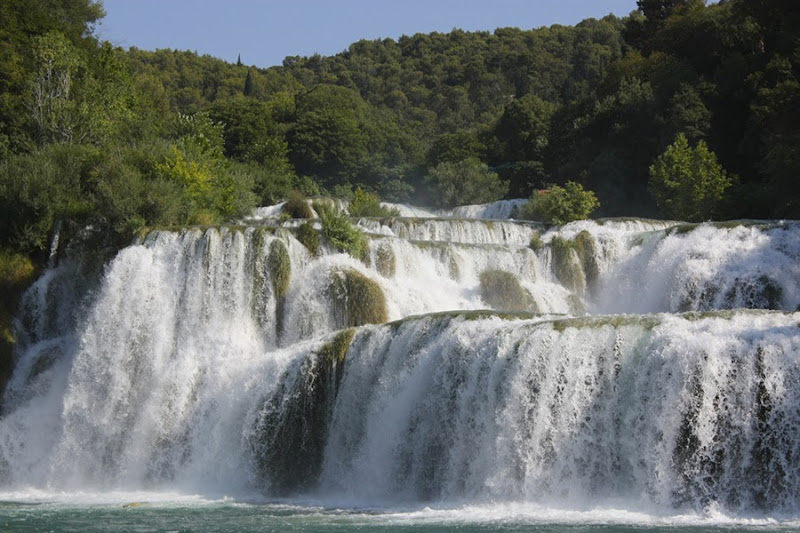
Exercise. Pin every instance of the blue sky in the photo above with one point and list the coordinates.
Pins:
(266, 31)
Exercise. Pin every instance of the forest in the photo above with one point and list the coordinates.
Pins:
(683, 109)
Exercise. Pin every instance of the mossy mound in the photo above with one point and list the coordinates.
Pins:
(503, 292)
(308, 237)
(566, 265)
(357, 300)
(761, 292)
(575, 261)
(289, 437)
(536, 243)
(280, 268)
(385, 261)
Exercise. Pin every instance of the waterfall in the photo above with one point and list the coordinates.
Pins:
(458, 360)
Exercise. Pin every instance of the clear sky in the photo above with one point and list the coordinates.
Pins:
(266, 31)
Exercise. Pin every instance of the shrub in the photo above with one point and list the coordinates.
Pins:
(341, 233)
(297, 206)
(368, 204)
(559, 205)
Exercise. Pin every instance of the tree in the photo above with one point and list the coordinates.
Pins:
(560, 205)
(688, 183)
(249, 84)
(659, 10)
(523, 128)
(53, 104)
(328, 140)
(466, 182)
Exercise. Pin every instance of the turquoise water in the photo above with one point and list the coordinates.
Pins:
(188, 514)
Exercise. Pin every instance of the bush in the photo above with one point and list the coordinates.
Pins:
(559, 205)
(296, 206)
(341, 233)
(39, 188)
(466, 182)
(688, 183)
(368, 204)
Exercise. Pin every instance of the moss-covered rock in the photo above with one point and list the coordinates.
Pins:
(280, 268)
(357, 300)
(503, 292)
(385, 261)
(17, 272)
(279, 265)
(536, 243)
(289, 437)
(585, 248)
(566, 265)
(761, 292)
(575, 261)
(308, 237)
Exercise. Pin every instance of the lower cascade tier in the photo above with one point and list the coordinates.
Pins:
(682, 411)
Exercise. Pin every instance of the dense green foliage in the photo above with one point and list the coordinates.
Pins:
(93, 134)
(368, 204)
(559, 205)
(465, 182)
(688, 183)
(340, 232)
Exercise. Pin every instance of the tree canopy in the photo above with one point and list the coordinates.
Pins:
(94, 134)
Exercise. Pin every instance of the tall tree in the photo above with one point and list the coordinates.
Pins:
(659, 10)
(249, 84)
(688, 183)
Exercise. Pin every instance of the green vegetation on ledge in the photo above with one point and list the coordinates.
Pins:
(503, 292)
(357, 300)
(289, 436)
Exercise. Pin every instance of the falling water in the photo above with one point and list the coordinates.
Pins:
(642, 363)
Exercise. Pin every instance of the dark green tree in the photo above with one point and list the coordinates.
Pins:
(249, 84)
(688, 183)
(464, 183)
(329, 140)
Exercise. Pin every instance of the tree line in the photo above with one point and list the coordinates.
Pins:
(682, 109)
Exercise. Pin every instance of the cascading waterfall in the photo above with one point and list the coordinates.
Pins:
(458, 361)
